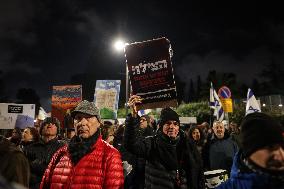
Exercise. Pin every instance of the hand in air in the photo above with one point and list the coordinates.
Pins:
(132, 103)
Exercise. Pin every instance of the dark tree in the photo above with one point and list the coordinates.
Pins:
(274, 75)
(1, 87)
(191, 94)
(198, 86)
(180, 89)
(256, 87)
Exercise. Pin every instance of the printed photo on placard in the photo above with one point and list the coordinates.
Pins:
(64, 99)
(106, 98)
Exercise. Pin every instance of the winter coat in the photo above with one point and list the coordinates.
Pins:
(244, 178)
(237, 138)
(199, 144)
(14, 165)
(219, 153)
(4, 184)
(39, 155)
(169, 164)
(100, 168)
(136, 179)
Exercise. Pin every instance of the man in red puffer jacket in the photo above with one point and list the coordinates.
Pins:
(86, 161)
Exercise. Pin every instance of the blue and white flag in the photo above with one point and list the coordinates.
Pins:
(252, 104)
(144, 112)
(42, 114)
(215, 104)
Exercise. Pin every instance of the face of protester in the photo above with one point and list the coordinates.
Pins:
(70, 134)
(195, 135)
(234, 128)
(85, 125)
(15, 133)
(143, 122)
(271, 158)
(171, 128)
(219, 130)
(49, 129)
(27, 136)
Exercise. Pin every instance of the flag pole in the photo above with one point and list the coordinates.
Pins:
(227, 117)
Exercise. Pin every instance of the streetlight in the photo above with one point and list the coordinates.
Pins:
(119, 46)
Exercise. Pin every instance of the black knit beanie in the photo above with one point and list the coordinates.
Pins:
(168, 114)
(259, 130)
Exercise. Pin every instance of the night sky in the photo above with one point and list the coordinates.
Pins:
(53, 42)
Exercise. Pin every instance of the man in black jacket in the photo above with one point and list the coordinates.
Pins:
(136, 179)
(40, 153)
(219, 151)
(171, 161)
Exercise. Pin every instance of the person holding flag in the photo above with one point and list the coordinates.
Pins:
(219, 151)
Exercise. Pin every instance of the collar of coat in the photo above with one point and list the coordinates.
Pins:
(79, 147)
(279, 175)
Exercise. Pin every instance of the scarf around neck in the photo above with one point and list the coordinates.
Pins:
(167, 149)
(79, 147)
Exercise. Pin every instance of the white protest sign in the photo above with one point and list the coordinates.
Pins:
(16, 115)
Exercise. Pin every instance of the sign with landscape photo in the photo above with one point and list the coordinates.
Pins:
(106, 98)
(64, 99)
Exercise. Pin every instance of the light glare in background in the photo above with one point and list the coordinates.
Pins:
(119, 45)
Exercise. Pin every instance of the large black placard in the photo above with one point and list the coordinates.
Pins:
(151, 73)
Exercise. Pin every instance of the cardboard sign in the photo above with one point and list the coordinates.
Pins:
(106, 98)
(151, 73)
(64, 99)
(16, 115)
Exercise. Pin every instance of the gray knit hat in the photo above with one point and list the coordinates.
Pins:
(86, 107)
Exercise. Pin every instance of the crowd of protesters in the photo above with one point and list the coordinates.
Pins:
(144, 152)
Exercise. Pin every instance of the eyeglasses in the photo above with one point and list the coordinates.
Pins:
(78, 119)
(142, 119)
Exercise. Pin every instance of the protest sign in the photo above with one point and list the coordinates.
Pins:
(16, 115)
(106, 98)
(151, 73)
(64, 99)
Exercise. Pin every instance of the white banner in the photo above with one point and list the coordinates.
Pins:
(187, 120)
(16, 115)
